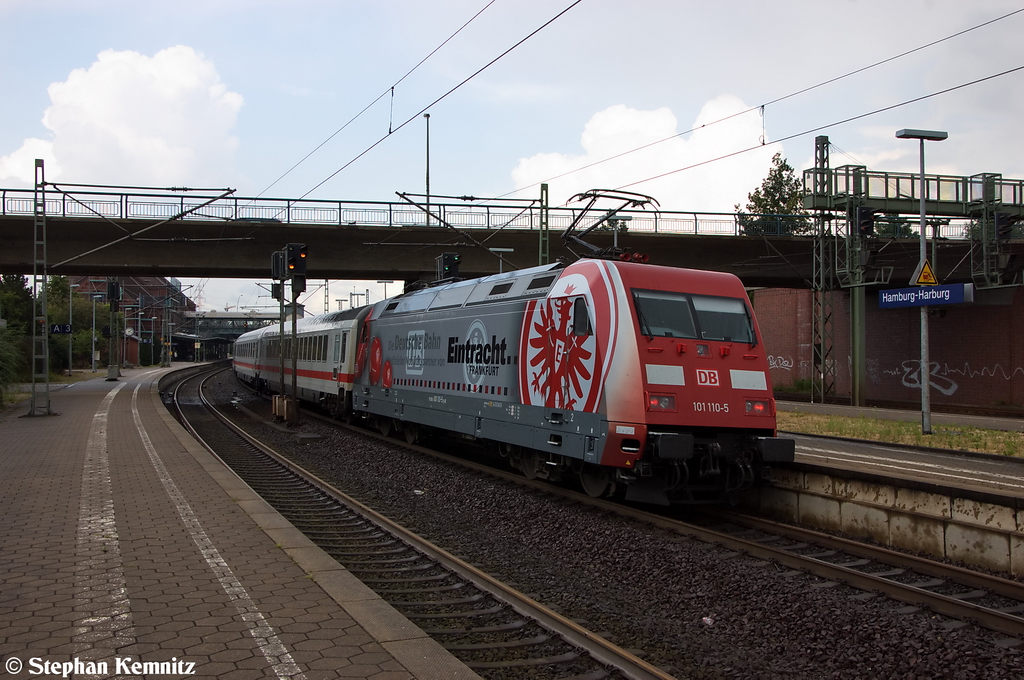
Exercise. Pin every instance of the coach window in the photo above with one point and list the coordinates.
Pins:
(580, 317)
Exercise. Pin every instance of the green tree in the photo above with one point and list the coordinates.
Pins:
(15, 302)
(776, 207)
(12, 359)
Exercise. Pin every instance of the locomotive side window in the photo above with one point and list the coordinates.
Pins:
(541, 282)
(723, 319)
(580, 317)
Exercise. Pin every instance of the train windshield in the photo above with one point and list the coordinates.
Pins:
(702, 317)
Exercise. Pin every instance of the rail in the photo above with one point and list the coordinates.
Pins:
(155, 206)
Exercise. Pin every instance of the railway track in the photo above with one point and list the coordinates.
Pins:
(964, 596)
(494, 629)
(961, 594)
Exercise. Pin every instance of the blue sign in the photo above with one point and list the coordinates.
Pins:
(952, 294)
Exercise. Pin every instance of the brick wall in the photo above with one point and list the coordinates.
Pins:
(975, 349)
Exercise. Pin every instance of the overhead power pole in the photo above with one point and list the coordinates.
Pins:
(39, 405)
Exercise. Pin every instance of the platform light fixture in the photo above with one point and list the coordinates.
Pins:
(925, 369)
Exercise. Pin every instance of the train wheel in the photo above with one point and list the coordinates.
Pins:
(384, 425)
(595, 480)
(411, 432)
(529, 463)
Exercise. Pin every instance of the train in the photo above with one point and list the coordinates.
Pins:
(640, 381)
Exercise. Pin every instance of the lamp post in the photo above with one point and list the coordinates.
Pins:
(70, 335)
(501, 260)
(925, 374)
(152, 339)
(124, 336)
(427, 116)
(94, 299)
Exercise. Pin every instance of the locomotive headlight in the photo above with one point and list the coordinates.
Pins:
(661, 402)
(758, 407)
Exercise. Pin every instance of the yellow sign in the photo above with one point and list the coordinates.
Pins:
(925, 275)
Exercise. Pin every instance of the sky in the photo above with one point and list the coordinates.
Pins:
(325, 99)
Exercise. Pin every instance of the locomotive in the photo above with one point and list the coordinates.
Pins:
(638, 380)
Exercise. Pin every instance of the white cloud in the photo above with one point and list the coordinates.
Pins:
(714, 186)
(129, 118)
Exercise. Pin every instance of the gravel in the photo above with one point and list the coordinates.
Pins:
(695, 609)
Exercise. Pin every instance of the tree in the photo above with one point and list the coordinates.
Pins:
(776, 207)
(16, 302)
(12, 358)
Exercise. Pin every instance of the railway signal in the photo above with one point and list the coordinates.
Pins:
(296, 255)
(865, 221)
(448, 266)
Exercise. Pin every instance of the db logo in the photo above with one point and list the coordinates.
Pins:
(706, 377)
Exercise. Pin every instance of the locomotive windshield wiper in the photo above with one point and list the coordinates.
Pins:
(644, 328)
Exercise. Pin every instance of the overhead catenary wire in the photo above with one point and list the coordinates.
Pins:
(828, 125)
(390, 90)
(761, 107)
(443, 96)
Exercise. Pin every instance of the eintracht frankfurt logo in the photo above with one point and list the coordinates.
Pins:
(559, 369)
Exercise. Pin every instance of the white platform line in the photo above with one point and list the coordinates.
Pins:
(100, 589)
(262, 632)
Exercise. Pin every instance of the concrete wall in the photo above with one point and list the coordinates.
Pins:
(981, 532)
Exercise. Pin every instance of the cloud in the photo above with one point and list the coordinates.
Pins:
(129, 118)
(714, 186)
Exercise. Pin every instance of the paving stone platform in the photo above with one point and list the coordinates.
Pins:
(127, 550)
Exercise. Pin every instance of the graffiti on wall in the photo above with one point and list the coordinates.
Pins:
(939, 375)
(784, 363)
(912, 377)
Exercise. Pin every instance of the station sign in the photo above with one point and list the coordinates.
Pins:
(952, 294)
(60, 329)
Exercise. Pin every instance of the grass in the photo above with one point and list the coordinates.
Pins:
(955, 437)
(11, 399)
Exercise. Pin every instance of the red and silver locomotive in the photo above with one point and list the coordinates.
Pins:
(636, 378)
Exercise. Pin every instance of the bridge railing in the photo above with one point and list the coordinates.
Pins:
(161, 206)
(525, 216)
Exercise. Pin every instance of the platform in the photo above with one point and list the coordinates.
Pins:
(128, 550)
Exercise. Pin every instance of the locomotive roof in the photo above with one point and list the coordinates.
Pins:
(531, 282)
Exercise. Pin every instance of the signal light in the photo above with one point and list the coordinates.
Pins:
(278, 271)
(865, 218)
(1004, 225)
(448, 265)
(295, 255)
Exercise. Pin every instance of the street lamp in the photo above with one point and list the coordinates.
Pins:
(70, 335)
(501, 260)
(94, 299)
(427, 116)
(925, 375)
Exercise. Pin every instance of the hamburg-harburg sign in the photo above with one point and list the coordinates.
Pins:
(926, 295)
